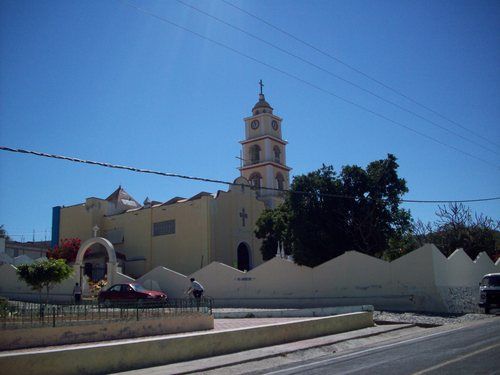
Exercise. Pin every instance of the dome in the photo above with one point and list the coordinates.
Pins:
(261, 104)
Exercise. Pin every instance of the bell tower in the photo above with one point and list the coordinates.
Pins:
(264, 153)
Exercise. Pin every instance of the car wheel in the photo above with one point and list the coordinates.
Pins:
(107, 303)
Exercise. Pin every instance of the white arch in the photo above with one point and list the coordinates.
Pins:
(112, 266)
(92, 241)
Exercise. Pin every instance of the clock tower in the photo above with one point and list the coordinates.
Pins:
(264, 156)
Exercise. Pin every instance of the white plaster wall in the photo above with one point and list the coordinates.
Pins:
(352, 274)
(5, 259)
(423, 280)
(23, 259)
(221, 281)
(170, 282)
(280, 278)
(14, 288)
(458, 270)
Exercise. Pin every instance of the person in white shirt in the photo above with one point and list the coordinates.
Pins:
(196, 289)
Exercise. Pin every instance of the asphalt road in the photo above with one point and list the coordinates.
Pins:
(470, 349)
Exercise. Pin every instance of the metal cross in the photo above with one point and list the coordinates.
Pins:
(243, 216)
(261, 86)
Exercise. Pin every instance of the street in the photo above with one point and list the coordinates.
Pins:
(471, 349)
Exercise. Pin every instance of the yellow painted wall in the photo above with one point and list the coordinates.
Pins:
(75, 221)
(228, 229)
(206, 229)
(137, 229)
(187, 249)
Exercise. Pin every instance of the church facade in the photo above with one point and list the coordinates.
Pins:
(186, 234)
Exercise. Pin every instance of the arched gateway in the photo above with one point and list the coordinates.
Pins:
(111, 266)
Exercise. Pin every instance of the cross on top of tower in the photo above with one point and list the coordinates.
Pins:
(261, 86)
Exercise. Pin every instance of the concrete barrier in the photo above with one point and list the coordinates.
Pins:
(103, 331)
(141, 353)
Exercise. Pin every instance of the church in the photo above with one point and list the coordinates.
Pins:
(186, 234)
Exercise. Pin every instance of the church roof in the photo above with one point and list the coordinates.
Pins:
(200, 195)
(120, 196)
(173, 200)
(261, 103)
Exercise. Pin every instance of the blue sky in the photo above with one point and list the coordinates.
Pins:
(101, 80)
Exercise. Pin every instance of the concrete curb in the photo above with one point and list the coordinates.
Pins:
(142, 353)
(258, 357)
(291, 313)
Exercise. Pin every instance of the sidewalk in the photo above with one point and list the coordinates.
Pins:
(207, 364)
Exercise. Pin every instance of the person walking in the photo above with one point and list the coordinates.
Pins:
(196, 289)
(77, 294)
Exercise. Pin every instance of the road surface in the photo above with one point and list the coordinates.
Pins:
(469, 349)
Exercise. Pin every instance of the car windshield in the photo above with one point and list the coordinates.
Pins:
(491, 281)
(139, 288)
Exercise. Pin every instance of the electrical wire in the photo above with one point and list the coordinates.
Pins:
(324, 53)
(413, 113)
(366, 109)
(195, 178)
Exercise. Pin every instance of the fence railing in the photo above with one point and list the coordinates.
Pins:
(15, 314)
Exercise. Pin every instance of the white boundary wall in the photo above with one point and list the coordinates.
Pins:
(423, 280)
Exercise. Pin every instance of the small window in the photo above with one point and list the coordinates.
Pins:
(254, 154)
(280, 181)
(277, 154)
(164, 227)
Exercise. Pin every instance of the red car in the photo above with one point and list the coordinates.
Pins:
(129, 293)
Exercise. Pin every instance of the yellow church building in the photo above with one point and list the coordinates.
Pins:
(186, 234)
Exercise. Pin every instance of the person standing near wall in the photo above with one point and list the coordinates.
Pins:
(77, 293)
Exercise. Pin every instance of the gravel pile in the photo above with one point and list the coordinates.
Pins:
(426, 319)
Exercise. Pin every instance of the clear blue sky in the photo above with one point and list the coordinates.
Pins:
(101, 80)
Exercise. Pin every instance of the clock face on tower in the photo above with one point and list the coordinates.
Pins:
(254, 124)
(274, 124)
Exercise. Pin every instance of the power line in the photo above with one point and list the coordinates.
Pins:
(163, 19)
(195, 178)
(324, 53)
(337, 76)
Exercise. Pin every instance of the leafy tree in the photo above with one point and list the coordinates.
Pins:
(67, 250)
(272, 227)
(44, 274)
(3, 233)
(457, 226)
(326, 214)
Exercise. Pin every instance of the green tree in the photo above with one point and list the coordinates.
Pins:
(44, 274)
(326, 214)
(3, 233)
(272, 227)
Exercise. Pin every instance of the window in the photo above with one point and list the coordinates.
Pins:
(280, 181)
(255, 180)
(164, 227)
(277, 154)
(254, 154)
